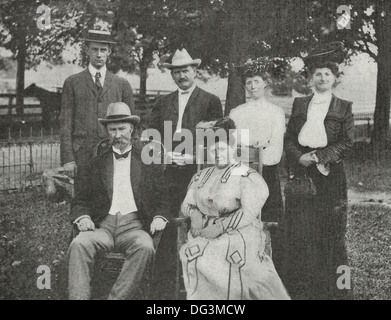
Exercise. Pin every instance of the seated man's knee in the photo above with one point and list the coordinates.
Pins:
(147, 245)
(81, 241)
(144, 244)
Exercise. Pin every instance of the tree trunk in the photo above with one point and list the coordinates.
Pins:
(143, 66)
(21, 62)
(381, 127)
(241, 40)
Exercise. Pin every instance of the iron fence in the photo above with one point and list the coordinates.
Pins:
(23, 162)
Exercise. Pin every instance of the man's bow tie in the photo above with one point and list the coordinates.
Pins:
(121, 156)
(185, 92)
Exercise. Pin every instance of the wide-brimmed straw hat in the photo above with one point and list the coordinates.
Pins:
(181, 58)
(98, 36)
(119, 112)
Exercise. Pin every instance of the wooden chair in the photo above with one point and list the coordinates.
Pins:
(183, 223)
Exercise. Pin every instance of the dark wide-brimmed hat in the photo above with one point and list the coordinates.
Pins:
(330, 52)
(328, 55)
(119, 112)
(182, 58)
(98, 36)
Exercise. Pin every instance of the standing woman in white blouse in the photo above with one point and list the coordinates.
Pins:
(319, 133)
(266, 126)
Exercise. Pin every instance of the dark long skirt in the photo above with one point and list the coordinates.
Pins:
(315, 232)
(176, 181)
(273, 211)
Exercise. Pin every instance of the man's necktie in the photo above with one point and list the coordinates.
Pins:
(121, 156)
(97, 81)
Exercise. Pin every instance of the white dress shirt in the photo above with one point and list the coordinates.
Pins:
(102, 71)
(123, 198)
(183, 99)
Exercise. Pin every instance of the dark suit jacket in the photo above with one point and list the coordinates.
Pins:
(339, 125)
(81, 107)
(94, 189)
(202, 106)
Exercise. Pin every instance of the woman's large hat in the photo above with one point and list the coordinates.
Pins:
(98, 36)
(119, 112)
(181, 58)
(330, 52)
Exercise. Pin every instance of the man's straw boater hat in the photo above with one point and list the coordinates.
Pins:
(119, 112)
(98, 36)
(182, 58)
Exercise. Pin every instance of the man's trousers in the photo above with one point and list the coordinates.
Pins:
(120, 232)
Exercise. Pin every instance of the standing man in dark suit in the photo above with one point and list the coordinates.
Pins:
(109, 210)
(181, 109)
(85, 98)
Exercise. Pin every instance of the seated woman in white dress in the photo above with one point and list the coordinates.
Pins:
(265, 123)
(225, 257)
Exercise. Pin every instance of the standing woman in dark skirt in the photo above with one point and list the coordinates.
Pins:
(319, 133)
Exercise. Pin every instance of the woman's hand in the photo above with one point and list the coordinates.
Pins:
(212, 232)
(196, 223)
(307, 159)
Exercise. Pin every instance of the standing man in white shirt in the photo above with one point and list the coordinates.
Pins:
(85, 97)
(109, 211)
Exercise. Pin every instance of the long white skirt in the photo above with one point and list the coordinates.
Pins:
(231, 267)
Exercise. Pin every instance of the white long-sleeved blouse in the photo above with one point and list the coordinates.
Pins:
(266, 124)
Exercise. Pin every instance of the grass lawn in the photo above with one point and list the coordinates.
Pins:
(34, 232)
(369, 249)
(366, 176)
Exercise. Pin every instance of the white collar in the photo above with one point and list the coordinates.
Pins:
(128, 148)
(93, 71)
(190, 90)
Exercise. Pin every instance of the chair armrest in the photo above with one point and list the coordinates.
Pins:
(270, 225)
(180, 221)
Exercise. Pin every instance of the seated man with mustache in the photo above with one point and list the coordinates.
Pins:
(110, 211)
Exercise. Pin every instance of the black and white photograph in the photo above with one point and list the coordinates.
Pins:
(173, 150)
